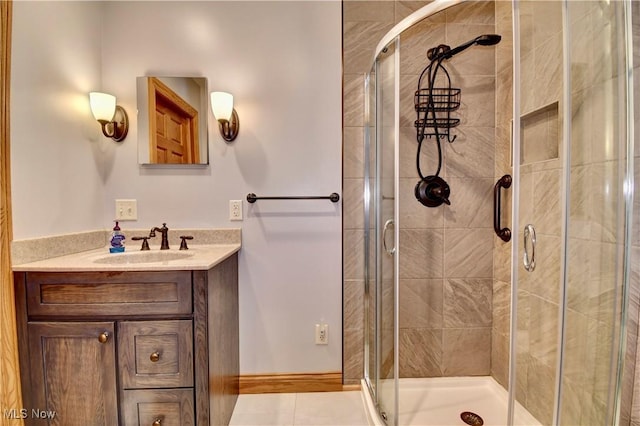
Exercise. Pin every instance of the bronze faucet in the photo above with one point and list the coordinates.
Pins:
(164, 244)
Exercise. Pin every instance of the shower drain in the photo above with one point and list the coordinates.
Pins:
(471, 418)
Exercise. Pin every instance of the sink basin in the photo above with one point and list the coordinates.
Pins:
(142, 257)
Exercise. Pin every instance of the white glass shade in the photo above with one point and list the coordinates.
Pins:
(222, 105)
(103, 105)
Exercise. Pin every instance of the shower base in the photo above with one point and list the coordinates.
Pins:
(440, 401)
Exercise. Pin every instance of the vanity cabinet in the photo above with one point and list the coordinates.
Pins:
(127, 348)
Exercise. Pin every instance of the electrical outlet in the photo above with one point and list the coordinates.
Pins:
(126, 210)
(322, 334)
(235, 209)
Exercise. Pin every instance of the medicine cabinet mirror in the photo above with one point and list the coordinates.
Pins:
(172, 120)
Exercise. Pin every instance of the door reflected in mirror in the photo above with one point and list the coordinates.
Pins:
(172, 120)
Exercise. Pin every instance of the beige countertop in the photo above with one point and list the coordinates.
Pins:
(198, 257)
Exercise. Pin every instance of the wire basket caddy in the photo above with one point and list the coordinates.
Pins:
(435, 104)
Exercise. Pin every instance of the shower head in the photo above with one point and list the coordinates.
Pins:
(483, 40)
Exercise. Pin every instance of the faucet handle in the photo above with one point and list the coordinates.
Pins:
(183, 244)
(145, 243)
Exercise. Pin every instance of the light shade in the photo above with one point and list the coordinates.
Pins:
(103, 106)
(222, 105)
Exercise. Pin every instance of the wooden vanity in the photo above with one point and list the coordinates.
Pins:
(109, 347)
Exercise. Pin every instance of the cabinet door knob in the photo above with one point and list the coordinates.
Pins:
(103, 337)
(157, 422)
(155, 357)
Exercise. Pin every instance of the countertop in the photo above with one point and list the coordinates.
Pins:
(198, 257)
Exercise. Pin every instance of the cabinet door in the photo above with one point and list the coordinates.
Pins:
(73, 373)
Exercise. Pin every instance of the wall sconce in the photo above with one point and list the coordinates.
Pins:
(113, 118)
(223, 111)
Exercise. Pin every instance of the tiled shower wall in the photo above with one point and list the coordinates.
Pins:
(445, 300)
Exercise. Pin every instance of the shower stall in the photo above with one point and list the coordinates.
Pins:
(504, 301)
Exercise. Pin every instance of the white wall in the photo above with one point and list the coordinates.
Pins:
(282, 62)
(57, 151)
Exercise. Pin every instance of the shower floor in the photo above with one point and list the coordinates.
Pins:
(439, 401)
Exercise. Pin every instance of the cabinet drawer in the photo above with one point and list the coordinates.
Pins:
(155, 354)
(166, 407)
(117, 293)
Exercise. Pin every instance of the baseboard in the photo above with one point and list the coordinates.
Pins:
(291, 383)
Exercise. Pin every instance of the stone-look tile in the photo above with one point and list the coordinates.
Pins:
(420, 353)
(405, 8)
(421, 303)
(353, 249)
(471, 154)
(548, 72)
(477, 12)
(459, 344)
(408, 115)
(477, 101)
(541, 379)
(359, 44)
(548, 18)
(415, 42)
(479, 60)
(468, 253)
(545, 280)
(504, 96)
(580, 202)
(471, 203)
(572, 403)
(540, 137)
(468, 302)
(581, 127)
(353, 100)
(422, 253)
(501, 303)
(605, 112)
(604, 201)
(546, 201)
(502, 151)
(500, 357)
(502, 253)
(544, 317)
(576, 348)
(409, 152)
(504, 27)
(353, 354)
(353, 305)
(353, 152)
(413, 214)
(363, 10)
(352, 204)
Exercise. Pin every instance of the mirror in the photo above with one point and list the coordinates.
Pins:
(172, 120)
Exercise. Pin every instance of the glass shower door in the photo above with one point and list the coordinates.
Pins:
(387, 118)
(381, 237)
(570, 225)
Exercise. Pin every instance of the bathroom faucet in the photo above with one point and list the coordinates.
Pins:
(164, 244)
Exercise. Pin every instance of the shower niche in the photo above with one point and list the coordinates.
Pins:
(540, 135)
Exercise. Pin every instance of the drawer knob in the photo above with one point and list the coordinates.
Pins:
(155, 357)
(157, 422)
(103, 337)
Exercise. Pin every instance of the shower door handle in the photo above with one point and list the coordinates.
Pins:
(529, 235)
(389, 223)
(503, 233)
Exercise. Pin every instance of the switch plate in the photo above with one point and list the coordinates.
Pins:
(322, 334)
(126, 210)
(235, 209)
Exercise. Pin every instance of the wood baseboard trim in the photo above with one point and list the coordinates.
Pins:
(291, 383)
(351, 388)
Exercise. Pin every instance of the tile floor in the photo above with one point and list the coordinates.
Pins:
(295, 409)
